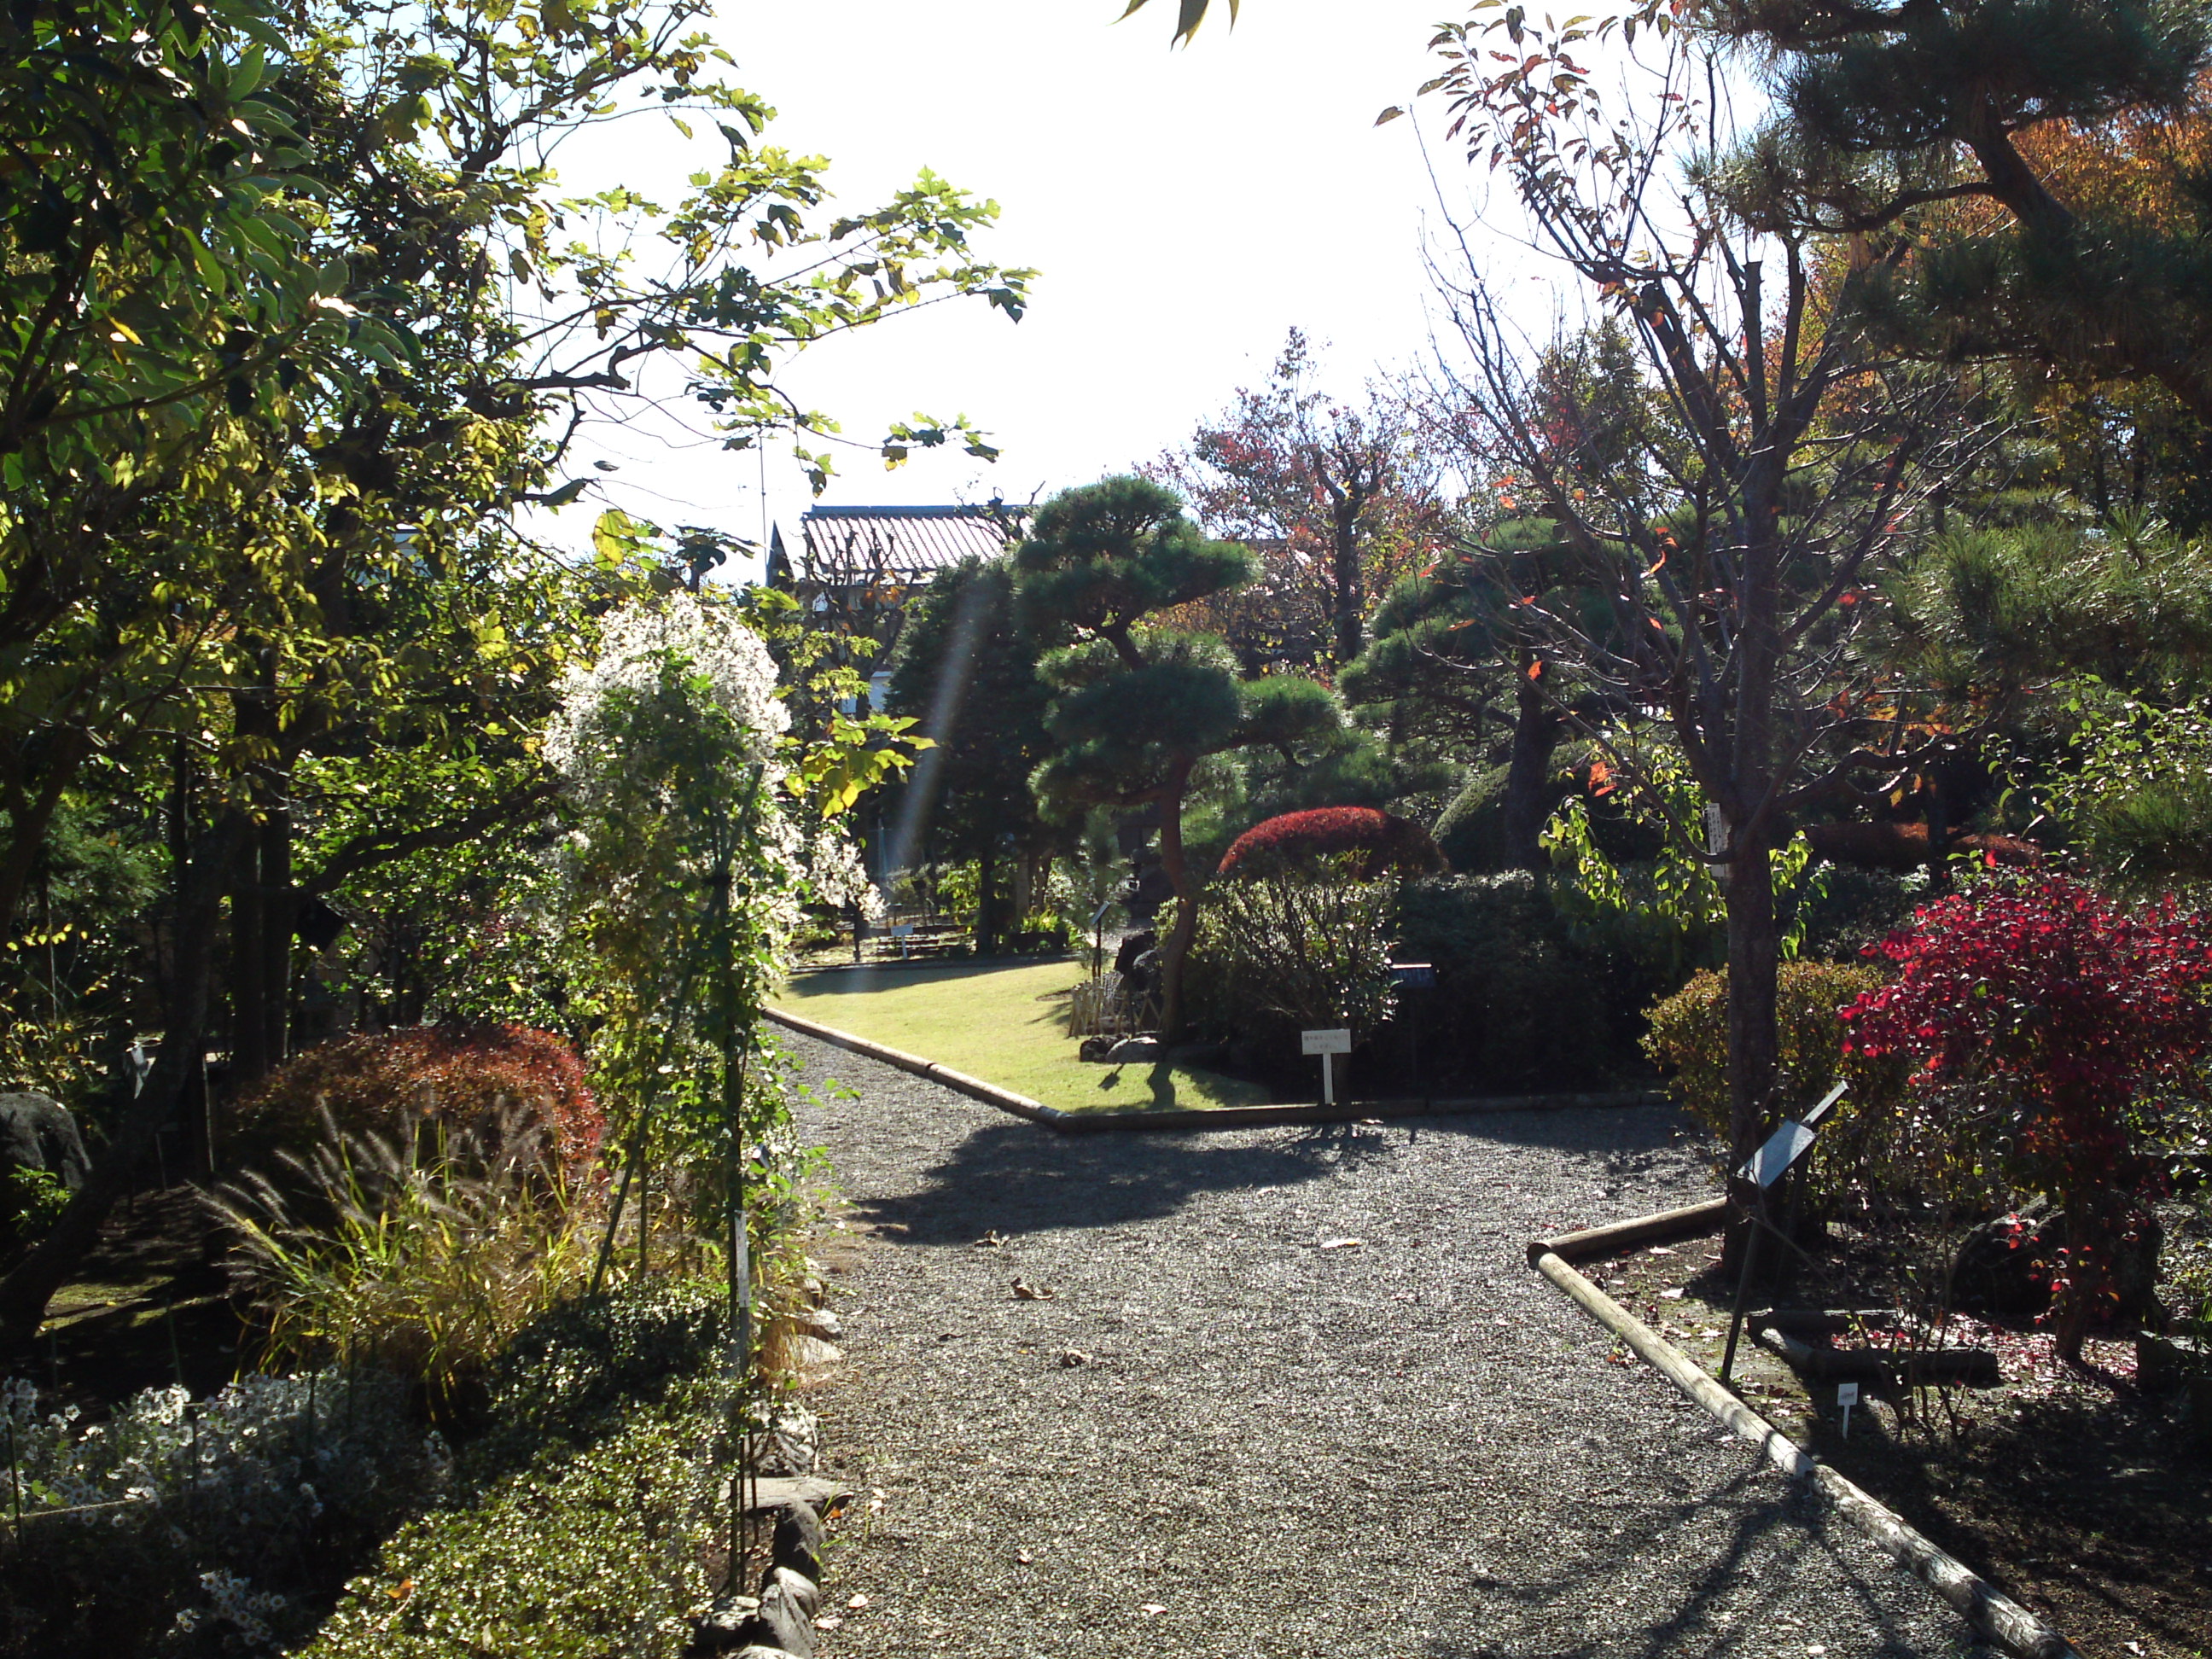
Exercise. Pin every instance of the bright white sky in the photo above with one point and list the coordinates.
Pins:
(1185, 209)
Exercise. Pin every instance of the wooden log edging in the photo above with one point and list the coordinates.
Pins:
(1984, 1606)
(1208, 1118)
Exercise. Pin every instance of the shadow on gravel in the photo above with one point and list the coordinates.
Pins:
(1012, 1178)
(1720, 1603)
(1595, 1128)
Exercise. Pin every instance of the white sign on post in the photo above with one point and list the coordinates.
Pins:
(1847, 1395)
(1327, 1045)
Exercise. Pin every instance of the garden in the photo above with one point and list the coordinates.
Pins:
(1783, 684)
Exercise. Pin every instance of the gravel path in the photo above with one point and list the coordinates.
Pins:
(1413, 1447)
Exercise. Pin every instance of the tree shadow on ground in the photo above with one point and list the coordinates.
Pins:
(1013, 1178)
(1723, 1603)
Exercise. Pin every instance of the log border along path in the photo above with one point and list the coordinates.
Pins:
(1283, 1392)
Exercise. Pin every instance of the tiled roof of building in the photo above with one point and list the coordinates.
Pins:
(853, 545)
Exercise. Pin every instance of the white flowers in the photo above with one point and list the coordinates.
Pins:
(640, 643)
(678, 716)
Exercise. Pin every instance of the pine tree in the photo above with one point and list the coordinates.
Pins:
(1937, 135)
(1140, 708)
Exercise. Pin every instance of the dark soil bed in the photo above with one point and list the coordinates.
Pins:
(2084, 1497)
(149, 1306)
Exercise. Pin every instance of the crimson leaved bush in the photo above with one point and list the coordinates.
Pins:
(2054, 1023)
(481, 1079)
(1301, 839)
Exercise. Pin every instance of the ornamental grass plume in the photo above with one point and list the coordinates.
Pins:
(2055, 1029)
(422, 1257)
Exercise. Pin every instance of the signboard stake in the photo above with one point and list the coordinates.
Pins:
(1328, 1045)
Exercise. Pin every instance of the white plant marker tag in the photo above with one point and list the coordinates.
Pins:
(1847, 1395)
(1327, 1045)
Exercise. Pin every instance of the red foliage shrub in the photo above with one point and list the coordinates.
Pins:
(1388, 842)
(464, 1077)
(2075, 1014)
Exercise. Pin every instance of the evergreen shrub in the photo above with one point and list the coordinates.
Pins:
(1688, 1039)
(1295, 949)
(1518, 1006)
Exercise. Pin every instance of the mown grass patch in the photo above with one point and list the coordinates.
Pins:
(1006, 1024)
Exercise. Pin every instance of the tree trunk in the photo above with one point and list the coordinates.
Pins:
(1752, 948)
(1176, 946)
(1536, 728)
(29, 819)
(987, 872)
(26, 1291)
(1752, 953)
(249, 1054)
(1350, 599)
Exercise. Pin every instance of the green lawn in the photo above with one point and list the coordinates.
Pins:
(1006, 1025)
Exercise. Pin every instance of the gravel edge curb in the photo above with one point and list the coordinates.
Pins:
(1984, 1606)
(1213, 1118)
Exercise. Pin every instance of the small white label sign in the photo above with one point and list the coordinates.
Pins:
(1847, 1393)
(1326, 1042)
(1782, 1150)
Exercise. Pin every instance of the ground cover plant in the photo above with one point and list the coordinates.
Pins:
(180, 1527)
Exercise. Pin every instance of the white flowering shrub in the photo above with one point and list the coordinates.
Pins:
(213, 1526)
(719, 663)
(701, 830)
(671, 747)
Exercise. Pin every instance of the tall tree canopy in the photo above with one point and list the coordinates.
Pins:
(2034, 115)
(1338, 502)
(965, 671)
(302, 319)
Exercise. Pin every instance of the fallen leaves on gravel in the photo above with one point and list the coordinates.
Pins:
(1027, 1292)
(1340, 1245)
(1074, 1356)
(1152, 1607)
(994, 1240)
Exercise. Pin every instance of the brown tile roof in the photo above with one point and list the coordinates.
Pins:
(844, 545)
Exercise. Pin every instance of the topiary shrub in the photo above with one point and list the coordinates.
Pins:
(1376, 843)
(1688, 1038)
(1471, 831)
(484, 1081)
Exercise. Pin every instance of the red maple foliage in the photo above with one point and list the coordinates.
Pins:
(1299, 839)
(464, 1076)
(2081, 1013)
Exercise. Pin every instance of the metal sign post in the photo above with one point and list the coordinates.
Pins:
(1327, 1045)
(1768, 1165)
